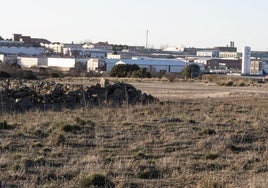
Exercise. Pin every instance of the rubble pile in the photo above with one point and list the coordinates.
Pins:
(20, 95)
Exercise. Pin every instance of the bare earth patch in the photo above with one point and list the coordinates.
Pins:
(190, 90)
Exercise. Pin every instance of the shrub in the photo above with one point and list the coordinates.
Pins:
(149, 172)
(123, 70)
(29, 75)
(169, 76)
(80, 121)
(4, 74)
(141, 73)
(5, 125)
(211, 156)
(191, 71)
(71, 128)
(207, 132)
(141, 155)
(229, 83)
(54, 75)
(97, 180)
(241, 84)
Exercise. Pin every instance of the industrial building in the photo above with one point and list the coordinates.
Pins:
(96, 64)
(22, 50)
(208, 53)
(62, 63)
(152, 64)
(29, 62)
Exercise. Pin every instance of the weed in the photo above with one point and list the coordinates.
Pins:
(211, 156)
(207, 131)
(98, 180)
(5, 125)
(71, 128)
(149, 172)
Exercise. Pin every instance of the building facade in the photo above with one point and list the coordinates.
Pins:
(209, 53)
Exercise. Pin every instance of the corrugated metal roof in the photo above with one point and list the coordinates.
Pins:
(149, 61)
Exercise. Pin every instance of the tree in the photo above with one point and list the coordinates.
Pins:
(141, 73)
(191, 71)
(123, 70)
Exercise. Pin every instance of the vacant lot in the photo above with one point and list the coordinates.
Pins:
(207, 136)
(191, 90)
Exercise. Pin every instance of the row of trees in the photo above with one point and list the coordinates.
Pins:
(126, 70)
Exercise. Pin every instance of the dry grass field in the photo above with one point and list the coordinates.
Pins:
(198, 135)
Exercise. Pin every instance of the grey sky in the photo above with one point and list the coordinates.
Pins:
(199, 23)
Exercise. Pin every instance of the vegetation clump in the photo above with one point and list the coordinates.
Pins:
(96, 180)
(29, 75)
(126, 70)
(191, 71)
(149, 172)
(5, 125)
(212, 156)
(71, 128)
(207, 132)
(4, 74)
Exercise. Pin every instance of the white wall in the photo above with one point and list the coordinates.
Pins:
(92, 64)
(32, 61)
(61, 62)
(113, 56)
(28, 61)
(2, 56)
(209, 53)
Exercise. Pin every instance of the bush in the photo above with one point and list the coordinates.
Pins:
(123, 70)
(191, 71)
(141, 73)
(207, 132)
(80, 121)
(43, 71)
(229, 83)
(71, 128)
(211, 156)
(149, 172)
(29, 75)
(169, 76)
(54, 75)
(5, 125)
(4, 74)
(97, 180)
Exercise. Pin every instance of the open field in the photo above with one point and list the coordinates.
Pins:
(207, 136)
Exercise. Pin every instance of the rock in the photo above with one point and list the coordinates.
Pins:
(37, 94)
(104, 82)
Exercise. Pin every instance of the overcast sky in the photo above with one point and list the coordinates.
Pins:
(191, 23)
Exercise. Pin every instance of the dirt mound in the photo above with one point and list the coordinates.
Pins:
(18, 95)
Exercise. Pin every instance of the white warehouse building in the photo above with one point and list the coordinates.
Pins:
(152, 64)
(29, 62)
(208, 53)
(59, 62)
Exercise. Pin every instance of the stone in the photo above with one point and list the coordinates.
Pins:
(104, 82)
(25, 95)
